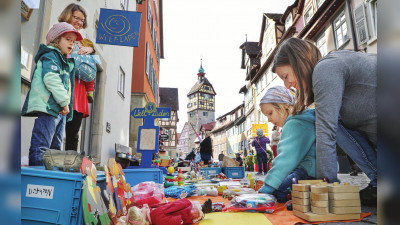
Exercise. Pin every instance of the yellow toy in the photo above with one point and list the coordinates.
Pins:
(221, 189)
(170, 170)
(251, 180)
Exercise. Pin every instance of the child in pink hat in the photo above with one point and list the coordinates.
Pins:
(51, 93)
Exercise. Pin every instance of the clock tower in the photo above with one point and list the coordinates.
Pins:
(201, 105)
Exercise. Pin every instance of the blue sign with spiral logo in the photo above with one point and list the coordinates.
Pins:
(118, 27)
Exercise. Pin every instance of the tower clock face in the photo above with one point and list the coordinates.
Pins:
(206, 96)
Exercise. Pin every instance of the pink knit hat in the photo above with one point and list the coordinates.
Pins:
(59, 29)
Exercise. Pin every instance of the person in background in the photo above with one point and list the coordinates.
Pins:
(221, 158)
(275, 137)
(83, 93)
(206, 149)
(343, 87)
(239, 159)
(296, 149)
(260, 144)
(50, 98)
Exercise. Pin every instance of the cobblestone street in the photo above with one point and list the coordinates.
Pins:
(362, 181)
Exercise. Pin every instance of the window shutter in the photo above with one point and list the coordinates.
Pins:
(361, 24)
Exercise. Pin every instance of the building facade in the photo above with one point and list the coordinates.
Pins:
(146, 63)
(169, 99)
(201, 106)
(108, 123)
(183, 140)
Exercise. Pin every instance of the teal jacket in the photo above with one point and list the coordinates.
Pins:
(52, 85)
(296, 149)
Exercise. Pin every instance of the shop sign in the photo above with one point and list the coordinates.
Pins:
(118, 27)
(148, 134)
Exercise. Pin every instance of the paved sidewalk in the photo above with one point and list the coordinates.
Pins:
(360, 180)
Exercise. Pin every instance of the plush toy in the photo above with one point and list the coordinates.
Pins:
(180, 177)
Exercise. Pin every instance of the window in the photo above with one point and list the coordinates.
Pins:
(340, 29)
(149, 12)
(156, 9)
(321, 44)
(361, 24)
(319, 3)
(147, 60)
(373, 11)
(205, 113)
(288, 21)
(121, 82)
(308, 15)
(124, 4)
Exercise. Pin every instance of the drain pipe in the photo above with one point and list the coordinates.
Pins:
(353, 31)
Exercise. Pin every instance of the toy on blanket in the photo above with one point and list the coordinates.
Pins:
(93, 207)
(136, 216)
(208, 191)
(325, 202)
(179, 191)
(169, 179)
(179, 212)
(232, 192)
(149, 193)
(179, 178)
(252, 203)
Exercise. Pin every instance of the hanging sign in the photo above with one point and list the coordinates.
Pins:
(255, 127)
(148, 137)
(118, 27)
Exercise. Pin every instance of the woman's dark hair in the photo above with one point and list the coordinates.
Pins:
(66, 14)
(302, 56)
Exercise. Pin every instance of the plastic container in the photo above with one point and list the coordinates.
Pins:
(210, 171)
(136, 176)
(234, 172)
(52, 197)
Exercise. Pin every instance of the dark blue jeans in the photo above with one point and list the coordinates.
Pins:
(206, 158)
(360, 151)
(280, 193)
(262, 161)
(47, 133)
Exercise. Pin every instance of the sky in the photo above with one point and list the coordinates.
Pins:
(212, 30)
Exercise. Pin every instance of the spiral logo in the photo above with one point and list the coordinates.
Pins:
(116, 25)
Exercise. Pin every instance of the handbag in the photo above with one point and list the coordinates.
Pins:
(85, 66)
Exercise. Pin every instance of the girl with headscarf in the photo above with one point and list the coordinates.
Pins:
(296, 149)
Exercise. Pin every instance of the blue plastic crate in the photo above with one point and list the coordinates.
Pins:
(211, 171)
(136, 176)
(234, 172)
(52, 197)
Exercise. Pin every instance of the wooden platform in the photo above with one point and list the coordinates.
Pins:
(328, 217)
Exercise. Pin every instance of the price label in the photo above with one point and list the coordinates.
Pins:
(39, 191)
